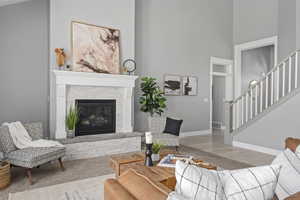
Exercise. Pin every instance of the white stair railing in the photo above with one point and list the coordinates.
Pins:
(276, 84)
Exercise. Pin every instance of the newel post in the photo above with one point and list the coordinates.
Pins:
(228, 138)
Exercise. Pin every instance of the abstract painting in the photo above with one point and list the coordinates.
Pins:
(95, 49)
(190, 85)
(172, 85)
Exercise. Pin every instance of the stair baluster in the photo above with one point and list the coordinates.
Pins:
(269, 91)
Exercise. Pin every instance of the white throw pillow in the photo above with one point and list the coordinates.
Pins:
(175, 196)
(289, 179)
(197, 183)
(298, 151)
(257, 183)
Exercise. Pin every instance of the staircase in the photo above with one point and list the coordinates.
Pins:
(276, 87)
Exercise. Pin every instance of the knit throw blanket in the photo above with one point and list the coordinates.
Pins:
(22, 139)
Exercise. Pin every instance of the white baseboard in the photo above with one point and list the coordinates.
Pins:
(195, 133)
(257, 148)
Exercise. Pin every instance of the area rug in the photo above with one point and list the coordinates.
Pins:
(87, 189)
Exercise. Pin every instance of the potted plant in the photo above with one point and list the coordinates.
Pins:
(5, 176)
(152, 100)
(71, 121)
(156, 149)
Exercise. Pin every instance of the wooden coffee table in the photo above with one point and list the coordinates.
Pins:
(162, 176)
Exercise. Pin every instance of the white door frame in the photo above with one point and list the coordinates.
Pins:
(228, 65)
(238, 58)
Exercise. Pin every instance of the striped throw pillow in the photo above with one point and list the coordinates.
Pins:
(289, 178)
(298, 151)
(196, 183)
(175, 196)
(257, 183)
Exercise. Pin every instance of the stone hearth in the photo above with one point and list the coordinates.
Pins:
(92, 146)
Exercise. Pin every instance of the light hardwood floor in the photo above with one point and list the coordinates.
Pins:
(214, 144)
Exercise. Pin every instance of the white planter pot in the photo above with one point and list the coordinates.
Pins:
(70, 133)
(155, 157)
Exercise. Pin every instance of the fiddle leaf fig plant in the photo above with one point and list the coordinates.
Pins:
(152, 100)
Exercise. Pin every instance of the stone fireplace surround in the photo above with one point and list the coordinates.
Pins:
(70, 86)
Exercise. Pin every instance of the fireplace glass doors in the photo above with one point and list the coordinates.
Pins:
(96, 117)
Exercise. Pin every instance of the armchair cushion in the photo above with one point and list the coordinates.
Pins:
(166, 139)
(33, 157)
(6, 142)
(35, 130)
(173, 126)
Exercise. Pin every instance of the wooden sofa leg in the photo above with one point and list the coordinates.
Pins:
(61, 164)
(29, 175)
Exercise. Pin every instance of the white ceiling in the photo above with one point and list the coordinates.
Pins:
(7, 2)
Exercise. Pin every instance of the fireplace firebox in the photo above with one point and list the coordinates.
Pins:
(96, 117)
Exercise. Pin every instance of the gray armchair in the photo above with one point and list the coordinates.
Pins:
(157, 126)
(30, 157)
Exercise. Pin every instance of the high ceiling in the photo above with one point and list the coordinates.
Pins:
(7, 2)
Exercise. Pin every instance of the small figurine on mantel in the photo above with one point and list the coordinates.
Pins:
(60, 57)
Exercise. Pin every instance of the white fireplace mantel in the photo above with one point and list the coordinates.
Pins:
(67, 78)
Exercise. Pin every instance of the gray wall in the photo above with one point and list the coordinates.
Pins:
(119, 14)
(271, 130)
(254, 19)
(24, 62)
(255, 64)
(298, 24)
(286, 28)
(178, 37)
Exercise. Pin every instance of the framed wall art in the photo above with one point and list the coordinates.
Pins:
(95, 48)
(172, 85)
(189, 86)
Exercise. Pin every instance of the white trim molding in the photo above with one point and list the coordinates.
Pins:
(195, 133)
(257, 148)
(64, 79)
(238, 49)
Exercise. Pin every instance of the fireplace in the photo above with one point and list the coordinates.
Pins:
(96, 117)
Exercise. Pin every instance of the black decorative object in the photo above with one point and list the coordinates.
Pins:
(148, 159)
(129, 65)
(173, 126)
